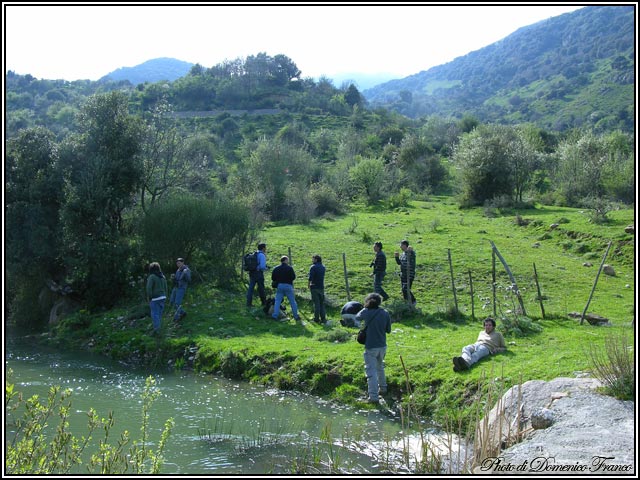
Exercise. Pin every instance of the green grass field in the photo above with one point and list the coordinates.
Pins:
(221, 335)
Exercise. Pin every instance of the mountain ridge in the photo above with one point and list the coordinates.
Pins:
(578, 64)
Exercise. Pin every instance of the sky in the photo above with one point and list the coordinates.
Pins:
(72, 42)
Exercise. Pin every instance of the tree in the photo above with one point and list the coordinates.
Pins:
(170, 162)
(595, 166)
(421, 167)
(103, 170)
(271, 169)
(483, 159)
(367, 178)
(33, 198)
(352, 96)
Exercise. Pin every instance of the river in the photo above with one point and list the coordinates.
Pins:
(222, 427)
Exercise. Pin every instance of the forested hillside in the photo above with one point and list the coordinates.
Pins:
(573, 70)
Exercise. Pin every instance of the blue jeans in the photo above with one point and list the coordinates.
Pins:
(377, 284)
(177, 295)
(157, 307)
(319, 313)
(472, 353)
(285, 289)
(374, 370)
(256, 278)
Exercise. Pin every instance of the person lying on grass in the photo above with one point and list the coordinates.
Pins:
(489, 342)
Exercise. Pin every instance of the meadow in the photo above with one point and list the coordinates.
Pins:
(220, 334)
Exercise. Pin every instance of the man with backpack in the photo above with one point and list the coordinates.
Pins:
(181, 279)
(256, 266)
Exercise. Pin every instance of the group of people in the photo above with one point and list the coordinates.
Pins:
(407, 262)
(370, 315)
(157, 292)
(283, 275)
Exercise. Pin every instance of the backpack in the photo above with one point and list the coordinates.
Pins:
(250, 262)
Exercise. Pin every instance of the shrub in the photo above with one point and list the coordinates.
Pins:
(326, 199)
(335, 335)
(31, 452)
(613, 365)
(518, 326)
(233, 365)
(215, 230)
(400, 199)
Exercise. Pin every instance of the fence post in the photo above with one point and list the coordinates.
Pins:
(453, 284)
(473, 314)
(513, 280)
(346, 278)
(594, 284)
(493, 280)
(290, 259)
(535, 277)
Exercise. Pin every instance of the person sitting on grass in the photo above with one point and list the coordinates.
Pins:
(489, 342)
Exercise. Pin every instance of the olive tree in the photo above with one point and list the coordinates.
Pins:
(493, 161)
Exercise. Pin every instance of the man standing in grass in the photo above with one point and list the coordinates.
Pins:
(181, 279)
(407, 262)
(378, 323)
(489, 342)
(316, 286)
(256, 277)
(379, 265)
(282, 278)
(156, 294)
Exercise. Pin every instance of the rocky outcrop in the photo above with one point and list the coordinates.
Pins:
(561, 427)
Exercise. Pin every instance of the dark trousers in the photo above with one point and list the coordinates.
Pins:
(377, 284)
(319, 314)
(256, 278)
(406, 288)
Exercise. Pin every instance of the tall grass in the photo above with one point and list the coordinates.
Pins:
(613, 365)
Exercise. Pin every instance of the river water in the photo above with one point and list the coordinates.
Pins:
(221, 426)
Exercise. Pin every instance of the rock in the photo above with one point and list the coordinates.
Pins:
(608, 270)
(592, 318)
(553, 226)
(542, 418)
(587, 264)
(536, 245)
(586, 426)
(630, 229)
(63, 307)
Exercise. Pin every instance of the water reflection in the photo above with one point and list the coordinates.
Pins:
(221, 426)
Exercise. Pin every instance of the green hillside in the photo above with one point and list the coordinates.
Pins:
(573, 70)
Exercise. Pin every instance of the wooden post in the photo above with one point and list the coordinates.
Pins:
(493, 280)
(513, 280)
(535, 277)
(594, 284)
(473, 314)
(290, 259)
(346, 278)
(453, 284)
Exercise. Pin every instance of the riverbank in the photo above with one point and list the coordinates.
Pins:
(221, 335)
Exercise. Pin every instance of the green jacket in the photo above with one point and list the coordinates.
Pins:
(156, 286)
